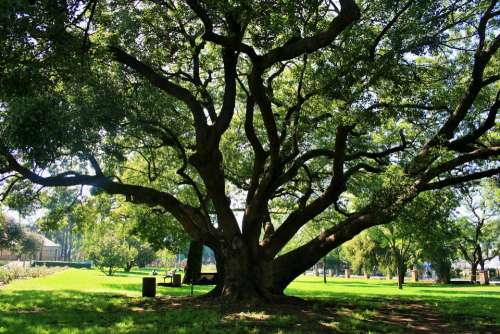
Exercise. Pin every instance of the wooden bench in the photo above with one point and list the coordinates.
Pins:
(169, 274)
(175, 279)
(205, 279)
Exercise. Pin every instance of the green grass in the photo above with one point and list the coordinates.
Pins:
(86, 301)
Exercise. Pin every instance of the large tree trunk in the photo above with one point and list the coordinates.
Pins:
(70, 243)
(401, 274)
(250, 274)
(473, 272)
(128, 266)
(443, 271)
(193, 265)
(243, 278)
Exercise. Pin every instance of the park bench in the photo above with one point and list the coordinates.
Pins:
(169, 274)
(205, 279)
(175, 279)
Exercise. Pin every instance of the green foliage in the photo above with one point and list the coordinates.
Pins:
(108, 252)
(360, 306)
(116, 239)
(147, 127)
(479, 224)
(71, 264)
(31, 244)
(362, 252)
(422, 231)
(7, 275)
(11, 233)
(145, 255)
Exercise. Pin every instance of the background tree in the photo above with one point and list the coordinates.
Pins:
(336, 261)
(30, 245)
(108, 252)
(362, 252)
(200, 108)
(422, 228)
(66, 216)
(11, 233)
(479, 240)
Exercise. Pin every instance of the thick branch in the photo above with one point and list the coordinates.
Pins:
(480, 154)
(382, 154)
(164, 84)
(454, 180)
(188, 216)
(301, 216)
(389, 25)
(349, 13)
(465, 143)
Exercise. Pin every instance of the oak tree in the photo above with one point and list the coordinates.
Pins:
(231, 108)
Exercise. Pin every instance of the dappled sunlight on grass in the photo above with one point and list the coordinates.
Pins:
(87, 301)
(85, 280)
(453, 300)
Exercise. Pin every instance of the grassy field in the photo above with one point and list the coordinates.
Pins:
(86, 301)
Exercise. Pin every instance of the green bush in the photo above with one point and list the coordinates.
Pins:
(77, 265)
(7, 275)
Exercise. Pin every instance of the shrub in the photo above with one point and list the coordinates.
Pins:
(7, 275)
(77, 265)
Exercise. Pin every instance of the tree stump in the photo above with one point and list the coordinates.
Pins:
(484, 277)
(149, 286)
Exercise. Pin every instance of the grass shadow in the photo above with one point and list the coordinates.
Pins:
(68, 311)
(487, 294)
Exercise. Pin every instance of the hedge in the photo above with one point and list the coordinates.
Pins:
(63, 264)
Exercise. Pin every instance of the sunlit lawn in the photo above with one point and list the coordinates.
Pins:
(87, 301)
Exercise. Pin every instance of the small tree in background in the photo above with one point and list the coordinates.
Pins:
(144, 253)
(479, 239)
(109, 253)
(396, 249)
(441, 255)
(362, 252)
(422, 230)
(30, 245)
(11, 233)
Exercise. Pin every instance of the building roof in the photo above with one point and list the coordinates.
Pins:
(49, 243)
(491, 264)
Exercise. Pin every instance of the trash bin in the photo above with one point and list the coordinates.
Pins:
(149, 286)
(176, 280)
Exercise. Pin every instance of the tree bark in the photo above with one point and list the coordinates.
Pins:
(473, 272)
(401, 275)
(128, 266)
(443, 272)
(242, 277)
(194, 261)
(366, 273)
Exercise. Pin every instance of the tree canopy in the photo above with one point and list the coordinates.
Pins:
(204, 109)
